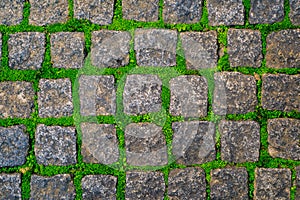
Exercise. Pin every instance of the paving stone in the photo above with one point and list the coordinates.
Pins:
(235, 93)
(45, 12)
(229, 12)
(144, 185)
(297, 183)
(55, 98)
(240, 141)
(97, 95)
(189, 96)
(283, 49)
(283, 138)
(55, 145)
(155, 47)
(244, 47)
(229, 183)
(67, 50)
(200, 49)
(11, 12)
(98, 12)
(142, 94)
(16, 99)
(295, 12)
(182, 11)
(26, 50)
(188, 183)
(272, 183)
(266, 12)
(145, 145)
(281, 92)
(10, 186)
(99, 143)
(54, 187)
(99, 187)
(140, 10)
(110, 48)
(193, 142)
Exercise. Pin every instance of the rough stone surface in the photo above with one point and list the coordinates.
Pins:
(99, 187)
(26, 50)
(16, 99)
(97, 95)
(155, 47)
(144, 185)
(188, 96)
(145, 145)
(142, 94)
(297, 183)
(266, 12)
(67, 50)
(283, 49)
(295, 12)
(193, 142)
(99, 143)
(54, 187)
(10, 186)
(283, 138)
(45, 12)
(235, 93)
(55, 98)
(229, 183)
(11, 12)
(281, 92)
(272, 183)
(55, 145)
(200, 49)
(244, 48)
(140, 10)
(98, 12)
(182, 11)
(188, 183)
(240, 141)
(229, 12)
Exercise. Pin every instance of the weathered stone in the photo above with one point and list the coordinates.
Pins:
(188, 183)
(229, 12)
(54, 187)
(145, 145)
(26, 50)
(281, 92)
(235, 93)
(229, 183)
(193, 142)
(240, 141)
(155, 47)
(182, 11)
(97, 95)
(142, 94)
(200, 49)
(55, 145)
(98, 12)
(144, 185)
(45, 12)
(244, 48)
(11, 12)
(99, 187)
(295, 12)
(283, 49)
(16, 99)
(297, 183)
(55, 98)
(272, 183)
(10, 186)
(140, 10)
(283, 138)
(99, 143)
(189, 96)
(266, 12)
(67, 50)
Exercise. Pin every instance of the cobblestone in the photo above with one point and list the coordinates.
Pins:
(297, 183)
(295, 12)
(139, 10)
(11, 12)
(10, 186)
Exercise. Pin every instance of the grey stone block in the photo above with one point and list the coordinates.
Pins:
(295, 12)
(140, 10)
(11, 12)
(10, 186)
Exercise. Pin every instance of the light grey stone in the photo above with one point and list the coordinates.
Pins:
(10, 186)
(140, 10)
(11, 12)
